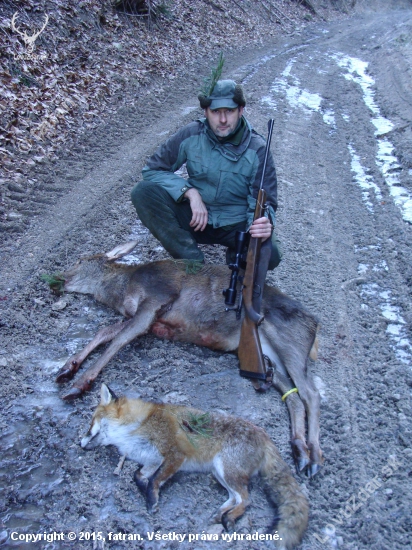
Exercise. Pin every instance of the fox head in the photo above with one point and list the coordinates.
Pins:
(99, 431)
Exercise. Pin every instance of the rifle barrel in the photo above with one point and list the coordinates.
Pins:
(270, 131)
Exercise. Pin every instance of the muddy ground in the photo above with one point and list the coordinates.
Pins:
(343, 149)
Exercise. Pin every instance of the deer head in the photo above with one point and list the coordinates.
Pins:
(28, 40)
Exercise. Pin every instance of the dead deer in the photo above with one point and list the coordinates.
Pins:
(162, 298)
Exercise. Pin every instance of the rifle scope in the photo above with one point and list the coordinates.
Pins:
(230, 293)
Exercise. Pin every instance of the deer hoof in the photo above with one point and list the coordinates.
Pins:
(313, 469)
(300, 455)
(302, 464)
(64, 375)
(74, 393)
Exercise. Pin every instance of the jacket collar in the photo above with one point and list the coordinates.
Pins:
(232, 151)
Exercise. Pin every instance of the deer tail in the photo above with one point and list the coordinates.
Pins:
(313, 354)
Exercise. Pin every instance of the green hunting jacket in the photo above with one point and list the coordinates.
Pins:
(227, 176)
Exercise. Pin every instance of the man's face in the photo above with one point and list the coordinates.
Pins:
(223, 121)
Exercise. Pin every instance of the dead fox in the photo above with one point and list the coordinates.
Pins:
(164, 439)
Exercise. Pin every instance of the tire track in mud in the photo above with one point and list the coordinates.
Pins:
(313, 229)
(312, 92)
(346, 256)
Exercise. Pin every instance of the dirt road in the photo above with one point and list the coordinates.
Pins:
(341, 97)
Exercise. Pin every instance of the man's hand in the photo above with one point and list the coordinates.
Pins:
(261, 228)
(199, 211)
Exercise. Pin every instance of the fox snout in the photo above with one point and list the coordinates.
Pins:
(91, 439)
(87, 443)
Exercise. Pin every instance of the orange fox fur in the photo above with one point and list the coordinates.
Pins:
(166, 438)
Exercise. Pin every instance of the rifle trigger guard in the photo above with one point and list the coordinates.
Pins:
(259, 385)
(262, 387)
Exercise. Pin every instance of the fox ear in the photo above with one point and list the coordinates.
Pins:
(105, 395)
(114, 396)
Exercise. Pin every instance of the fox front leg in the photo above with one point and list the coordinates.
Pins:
(161, 475)
(141, 481)
(142, 476)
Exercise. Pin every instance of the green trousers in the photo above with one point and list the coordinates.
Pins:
(169, 221)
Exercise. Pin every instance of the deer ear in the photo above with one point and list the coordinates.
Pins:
(105, 395)
(121, 250)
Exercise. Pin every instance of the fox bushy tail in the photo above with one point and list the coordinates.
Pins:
(292, 505)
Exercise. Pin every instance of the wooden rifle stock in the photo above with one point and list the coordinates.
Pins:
(251, 359)
(252, 363)
(252, 258)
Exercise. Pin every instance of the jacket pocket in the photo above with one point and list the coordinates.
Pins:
(234, 186)
(204, 178)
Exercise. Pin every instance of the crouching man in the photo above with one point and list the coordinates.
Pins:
(224, 160)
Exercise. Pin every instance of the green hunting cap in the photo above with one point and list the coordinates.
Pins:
(226, 94)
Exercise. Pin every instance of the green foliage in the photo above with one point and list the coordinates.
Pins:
(196, 425)
(190, 266)
(216, 73)
(144, 8)
(200, 424)
(164, 9)
(24, 78)
(55, 282)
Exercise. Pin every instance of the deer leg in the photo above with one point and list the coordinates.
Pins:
(135, 327)
(72, 365)
(311, 399)
(293, 358)
(296, 410)
(282, 382)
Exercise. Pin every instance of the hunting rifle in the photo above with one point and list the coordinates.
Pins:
(251, 358)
